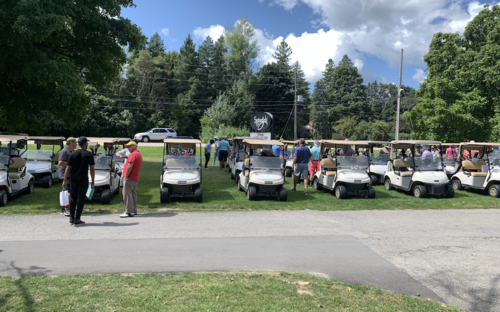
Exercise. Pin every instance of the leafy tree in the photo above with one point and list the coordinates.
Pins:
(156, 47)
(345, 126)
(241, 50)
(48, 57)
(320, 103)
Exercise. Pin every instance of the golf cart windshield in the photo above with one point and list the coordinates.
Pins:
(352, 162)
(494, 157)
(381, 159)
(4, 162)
(265, 162)
(181, 162)
(39, 155)
(428, 163)
(102, 162)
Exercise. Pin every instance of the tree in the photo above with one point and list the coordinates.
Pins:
(345, 126)
(241, 50)
(48, 56)
(156, 46)
(320, 104)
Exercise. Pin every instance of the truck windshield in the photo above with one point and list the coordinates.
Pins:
(38, 155)
(265, 162)
(352, 162)
(102, 162)
(181, 162)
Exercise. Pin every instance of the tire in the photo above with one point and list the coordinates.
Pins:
(288, 172)
(449, 191)
(252, 193)
(145, 139)
(31, 188)
(282, 195)
(457, 185)
(341, 192)
(164, 195)
(46, 181)
(198, 194)
(420, 191)
(316, 185)
(240, 189)
(4, 198)
(494, 190)
(387, 185)
(237, 178)
(105, 197)
(374, 179)
(370, 192)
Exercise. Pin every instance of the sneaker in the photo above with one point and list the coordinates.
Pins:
(126, 215)
(78, 222)
(62, 210)
(299, 184)
(305, 193)
(206, 168)
(71, 221)
(122, 202)
(292, 189)
(67, 213)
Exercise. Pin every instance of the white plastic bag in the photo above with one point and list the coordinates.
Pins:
(63, 198)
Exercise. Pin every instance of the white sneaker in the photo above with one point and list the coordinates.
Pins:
(126, 215)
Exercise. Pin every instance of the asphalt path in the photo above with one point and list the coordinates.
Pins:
(451, 256)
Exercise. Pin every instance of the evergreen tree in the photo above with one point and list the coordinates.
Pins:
(241, 50)
(205, 58)
(218, 70)
(320, 104)
(156, 46)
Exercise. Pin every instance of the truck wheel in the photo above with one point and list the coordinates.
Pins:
(288, 172)
(387, 185)
(420, 191)
(198, 195)
(145, 139)
(449, 191)
(105, 197)
(252, 193)
(164, 195)
(373, 179)
(316, 185)
(3, 198)
(31, 187)
(494, 190)
(47, 181)
(457, 185)
(282, 194)
(370, 192)
(341, 192)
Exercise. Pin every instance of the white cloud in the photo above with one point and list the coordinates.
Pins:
(287, 4)
(214, 31)
(164, 32)
(419, 75)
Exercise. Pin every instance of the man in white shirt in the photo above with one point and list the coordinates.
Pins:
(216, 152)
(208, 150)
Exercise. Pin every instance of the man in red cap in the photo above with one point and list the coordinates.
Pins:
(131, 179)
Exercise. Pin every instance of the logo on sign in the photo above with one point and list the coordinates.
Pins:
(261, 121)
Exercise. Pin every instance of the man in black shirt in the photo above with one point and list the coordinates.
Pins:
(78, 167)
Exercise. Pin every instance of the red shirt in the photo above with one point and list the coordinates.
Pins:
(136, 159)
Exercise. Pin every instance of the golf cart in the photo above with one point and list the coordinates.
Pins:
(344, 170)
(263, 175)
(237, 157)
(420, 175)
(450, 165)
(107, 180)
(181, 173)
(44, 164)
(289, 157)
(14, 176)
(377, 161)
(481, 172)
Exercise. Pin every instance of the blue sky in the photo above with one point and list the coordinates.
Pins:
(370, 32)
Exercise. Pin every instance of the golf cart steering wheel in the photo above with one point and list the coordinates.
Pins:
(11, 161)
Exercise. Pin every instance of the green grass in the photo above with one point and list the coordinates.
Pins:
(232, 291)
(220, 193)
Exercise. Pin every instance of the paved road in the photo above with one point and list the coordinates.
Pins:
(451, 255)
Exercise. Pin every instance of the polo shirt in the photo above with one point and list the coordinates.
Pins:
(64, 156)
(208, 146)
(136, 159)
(276, 150)
(223, 145)
(303, 154)
(315, 152)
(426, 154)
(80, 161)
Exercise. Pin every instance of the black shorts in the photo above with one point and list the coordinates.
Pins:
(222, 155)
(68, 185)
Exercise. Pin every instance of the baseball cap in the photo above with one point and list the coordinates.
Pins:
(70, 139)
(223, 137)
(130, 144)
(316, 143)
(82, 140)
(216, 137)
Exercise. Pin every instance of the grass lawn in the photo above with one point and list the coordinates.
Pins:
(220, 193)
(232, 291)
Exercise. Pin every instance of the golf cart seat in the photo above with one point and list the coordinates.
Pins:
(55, 161)
(330, 166)
(399, 163)
(247, 165)
(16, 163)
(473, 168)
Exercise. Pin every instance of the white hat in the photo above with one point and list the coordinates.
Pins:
(216, 137)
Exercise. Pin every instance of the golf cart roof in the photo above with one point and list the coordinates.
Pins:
(11, 138)
(450, 144)
(415, 142)
(108, 140)
(372, 142)
(289, 141)
(337, 142)
(261, 142)
(48, 138)
(182, 141)
(476, 145)
(244, 138)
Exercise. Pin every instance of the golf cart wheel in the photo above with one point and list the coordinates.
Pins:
(387, 185)
(47, 181)
(31, 188)
(198, 195)
(341, 192)
(145, 139)
(316, 185)
(288, 172)
(105, 197)
(370, 192)
(164, 195)
(237, 179)
(449, 191)
(373, 179)
(282, 194)
(3, 198)
(252, 193)
(420, 191)
(494, 190)
(457, 185)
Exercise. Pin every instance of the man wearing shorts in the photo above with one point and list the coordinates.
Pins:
(301, 159)
(314, 164)
(223, 152)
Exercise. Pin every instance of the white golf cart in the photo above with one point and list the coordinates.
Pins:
(481, 172)
(263, 175)
(289, 156)
(378, 158)
(181, 172)
(237, 157)
(14, 176)
(450, 164)
(344, 171)
(107, 180)
(44, 164)
(420, 175)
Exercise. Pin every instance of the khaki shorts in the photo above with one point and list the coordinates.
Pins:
(301, 169)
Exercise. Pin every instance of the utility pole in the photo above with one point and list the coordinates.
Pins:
(295, 108)
(399, 96)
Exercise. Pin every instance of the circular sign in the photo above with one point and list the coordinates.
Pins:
(261, 122)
